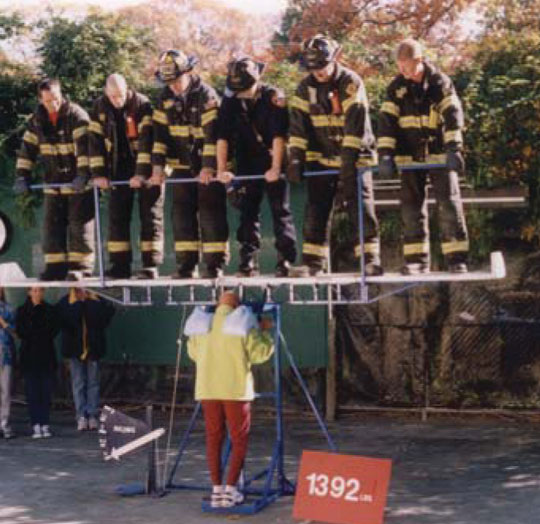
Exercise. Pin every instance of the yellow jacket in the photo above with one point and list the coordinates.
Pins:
(224, 361)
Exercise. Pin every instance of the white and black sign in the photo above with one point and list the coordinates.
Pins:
(6, 232)
(120, 434)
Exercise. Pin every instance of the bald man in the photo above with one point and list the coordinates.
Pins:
(121, 139)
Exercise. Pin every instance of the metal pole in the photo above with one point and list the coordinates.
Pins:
(98, 236)
(151, 487)
(279, 395)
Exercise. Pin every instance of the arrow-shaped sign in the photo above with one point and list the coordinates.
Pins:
(116, 453)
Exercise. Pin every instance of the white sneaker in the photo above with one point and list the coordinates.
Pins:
(46, 432)
(8, 433)
(82, 424)
(231, 497)
(93, 423)
(37, 431)
(216, 499)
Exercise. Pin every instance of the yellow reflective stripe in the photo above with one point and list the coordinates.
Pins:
(95, 127)
(82, 161)
(453, 136)
(174, 163)
(79, 132)
(371, 248)
(352, 141)
(146, 121)
(31, 138)
(118, 246)
(209, 150)
(430, 159)
(313, 156)
(391, 109)
(151, 245)
(455, 246)
(349, 102)
(97, 161)
(207, 117)
(66, 149)
(187, 245)
(159, 148)
(434, 118)
(24, 163)
(74, 256)
(143, 158)
(182, 131)
(315, 249)
(327, 120)
(299, 142)
(418, 248)
(55, 258)
(47, 149)
(215, 247)
(299, 103)
(386, 142)
(160, 117)
(196, 132)
(167, 104)
(410, 121)
(330, 162)
(448, 101)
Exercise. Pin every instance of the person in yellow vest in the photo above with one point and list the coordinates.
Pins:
(224, 346)
(83, 318)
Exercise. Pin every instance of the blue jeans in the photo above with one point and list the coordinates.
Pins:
(85, 385)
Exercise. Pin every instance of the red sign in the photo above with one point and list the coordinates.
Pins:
(341, 489)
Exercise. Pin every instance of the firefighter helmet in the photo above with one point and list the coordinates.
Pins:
(172, 64)
(242, 73)
(318, 52)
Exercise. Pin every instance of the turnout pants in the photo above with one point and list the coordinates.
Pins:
(414, 214)
(321, 191)
(249, 230)
(199, 206)
(151, 218)
(68, 232)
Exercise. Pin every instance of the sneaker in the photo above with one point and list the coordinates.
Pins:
(8, 433)
(418, 268)
(147, 273)
(82, 424)
(315, 271)
(37, 431)
(216, 499)
(231, 497)
(459, 267)
(46, 431)
(93, 423)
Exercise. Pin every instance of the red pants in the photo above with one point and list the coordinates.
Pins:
(237, 415)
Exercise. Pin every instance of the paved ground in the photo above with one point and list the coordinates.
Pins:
(444, 472)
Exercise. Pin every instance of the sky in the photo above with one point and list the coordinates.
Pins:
(249, 6)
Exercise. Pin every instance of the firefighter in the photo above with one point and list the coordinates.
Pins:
(57, 133)
(421, 120)
(185, 139)
(330, 128)
(252, 128)
(120, 146)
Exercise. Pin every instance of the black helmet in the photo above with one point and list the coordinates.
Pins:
(318, 52)
(173, 63)
(242, 73)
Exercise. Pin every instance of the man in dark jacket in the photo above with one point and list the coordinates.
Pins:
(120, 147)
(57, 133)
(83, 318)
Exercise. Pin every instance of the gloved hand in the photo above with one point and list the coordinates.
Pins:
(387, 167)
(295, 170)
(21, 186)
(455, 161)
(79, 183)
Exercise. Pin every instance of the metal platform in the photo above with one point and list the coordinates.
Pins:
(336, 288)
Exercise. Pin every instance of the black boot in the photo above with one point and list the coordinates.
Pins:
(185, 273)
(54, 272)
(118, 272)
(248, 268)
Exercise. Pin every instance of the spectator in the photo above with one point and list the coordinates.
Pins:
(84, 318)
(36, 326)
(7, 357)
(224, 385)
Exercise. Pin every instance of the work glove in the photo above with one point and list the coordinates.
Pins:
(295, 170)
(387, 167)
(455, 161)
(21, 186)
(79, 183)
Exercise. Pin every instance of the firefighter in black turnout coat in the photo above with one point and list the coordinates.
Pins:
(330, 129)
(252, 130)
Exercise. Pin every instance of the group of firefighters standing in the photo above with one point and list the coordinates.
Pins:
(197, 142)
